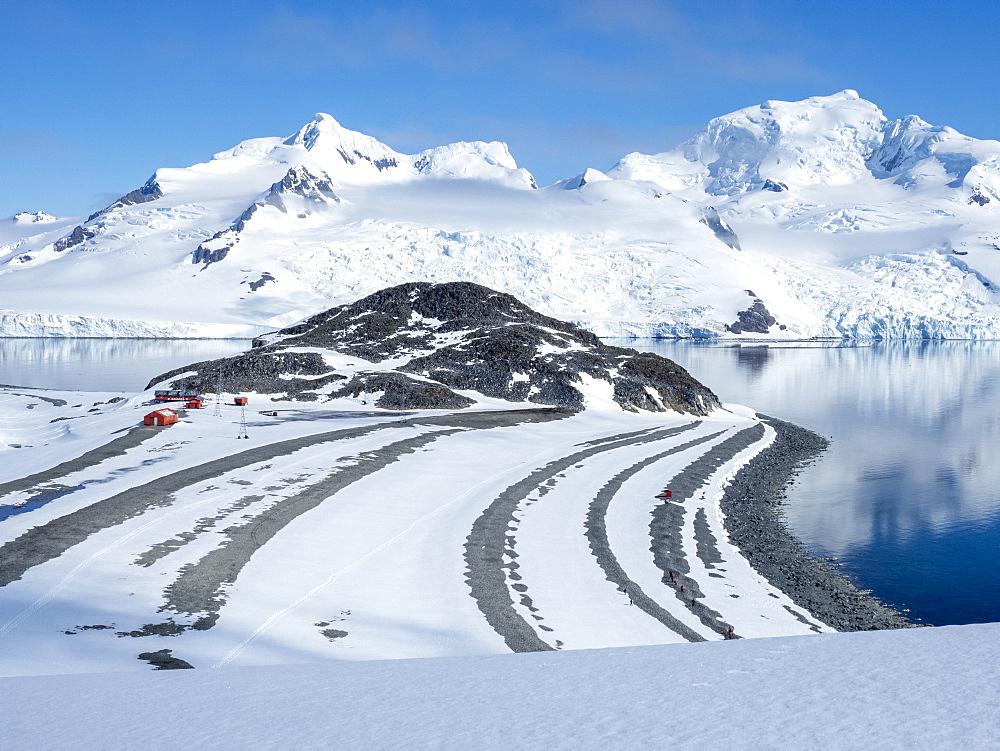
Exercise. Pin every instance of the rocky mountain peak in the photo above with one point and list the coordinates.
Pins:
(33, 217)
(332, 146)
(315, 191)
(441, 346)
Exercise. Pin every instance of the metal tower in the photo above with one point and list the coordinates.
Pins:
(218, 395)
(243, 422)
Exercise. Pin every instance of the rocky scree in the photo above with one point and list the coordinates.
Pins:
(447, 337)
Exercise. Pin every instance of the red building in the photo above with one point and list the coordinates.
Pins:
(240, 400)
(193, 404)
(164, 416)
(175, 395)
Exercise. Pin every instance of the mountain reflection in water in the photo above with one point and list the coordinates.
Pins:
(907, 498)
(102, 364)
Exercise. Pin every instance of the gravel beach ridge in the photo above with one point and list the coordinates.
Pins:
(752, 506)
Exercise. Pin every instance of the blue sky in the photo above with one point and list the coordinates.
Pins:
(97, 95)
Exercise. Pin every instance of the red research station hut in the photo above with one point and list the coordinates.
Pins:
(193, 403)
(241, 400)
(165, 416)
(175, 395)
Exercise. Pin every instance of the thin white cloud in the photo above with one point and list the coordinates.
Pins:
(670, 46)
(28, 143)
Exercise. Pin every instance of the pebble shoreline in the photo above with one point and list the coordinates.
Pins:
(752, 506)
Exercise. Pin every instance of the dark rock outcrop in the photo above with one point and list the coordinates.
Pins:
(150, 191)
(267, 372)
(399, 391)
(457, 336)
(162, 659)
(754, 320)
(978, 197)
(299, 190)
(723, 231)
(78, 236)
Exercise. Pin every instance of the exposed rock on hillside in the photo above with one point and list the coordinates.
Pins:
(421, 343)
(756, 319)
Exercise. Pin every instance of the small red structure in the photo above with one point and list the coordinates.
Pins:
(193, 404)
(667, 494)
(164, 416)
(240, 401)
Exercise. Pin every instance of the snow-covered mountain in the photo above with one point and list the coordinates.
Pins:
(819, 218)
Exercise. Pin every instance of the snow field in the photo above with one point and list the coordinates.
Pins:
(915, 688)
(92, 571)
(363, 520)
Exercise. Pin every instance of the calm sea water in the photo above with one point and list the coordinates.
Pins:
(907, 498)
(103, 364)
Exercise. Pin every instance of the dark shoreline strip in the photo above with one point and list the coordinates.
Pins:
(490, 538)
(751, 504)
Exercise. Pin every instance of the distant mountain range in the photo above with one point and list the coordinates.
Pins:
(786, 220)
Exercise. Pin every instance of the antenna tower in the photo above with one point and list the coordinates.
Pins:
(218, 395)
(243, 422)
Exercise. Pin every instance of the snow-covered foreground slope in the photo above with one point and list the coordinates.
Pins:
(818, 218)
(920, 688)
(338, 533)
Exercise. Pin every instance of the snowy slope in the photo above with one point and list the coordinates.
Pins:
(340, 532)
(922, 688)
(818, 218)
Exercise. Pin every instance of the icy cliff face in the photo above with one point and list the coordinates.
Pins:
(841, 222)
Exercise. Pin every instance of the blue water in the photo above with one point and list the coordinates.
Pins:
(103, 364)
(907, 498)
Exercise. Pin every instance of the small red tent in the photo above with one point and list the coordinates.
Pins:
(160, 417)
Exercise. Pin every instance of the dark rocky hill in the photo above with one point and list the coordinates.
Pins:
(426, 342)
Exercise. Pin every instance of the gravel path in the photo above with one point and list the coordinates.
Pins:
(489, 542)
(52, 539)
(597, 534)
(668, 518)
(117, 447)
(199, 588)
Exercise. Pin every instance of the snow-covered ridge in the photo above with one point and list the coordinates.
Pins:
(833, 140)
(33, 217)
(761, 692)
(353, 157)
(796, 207)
